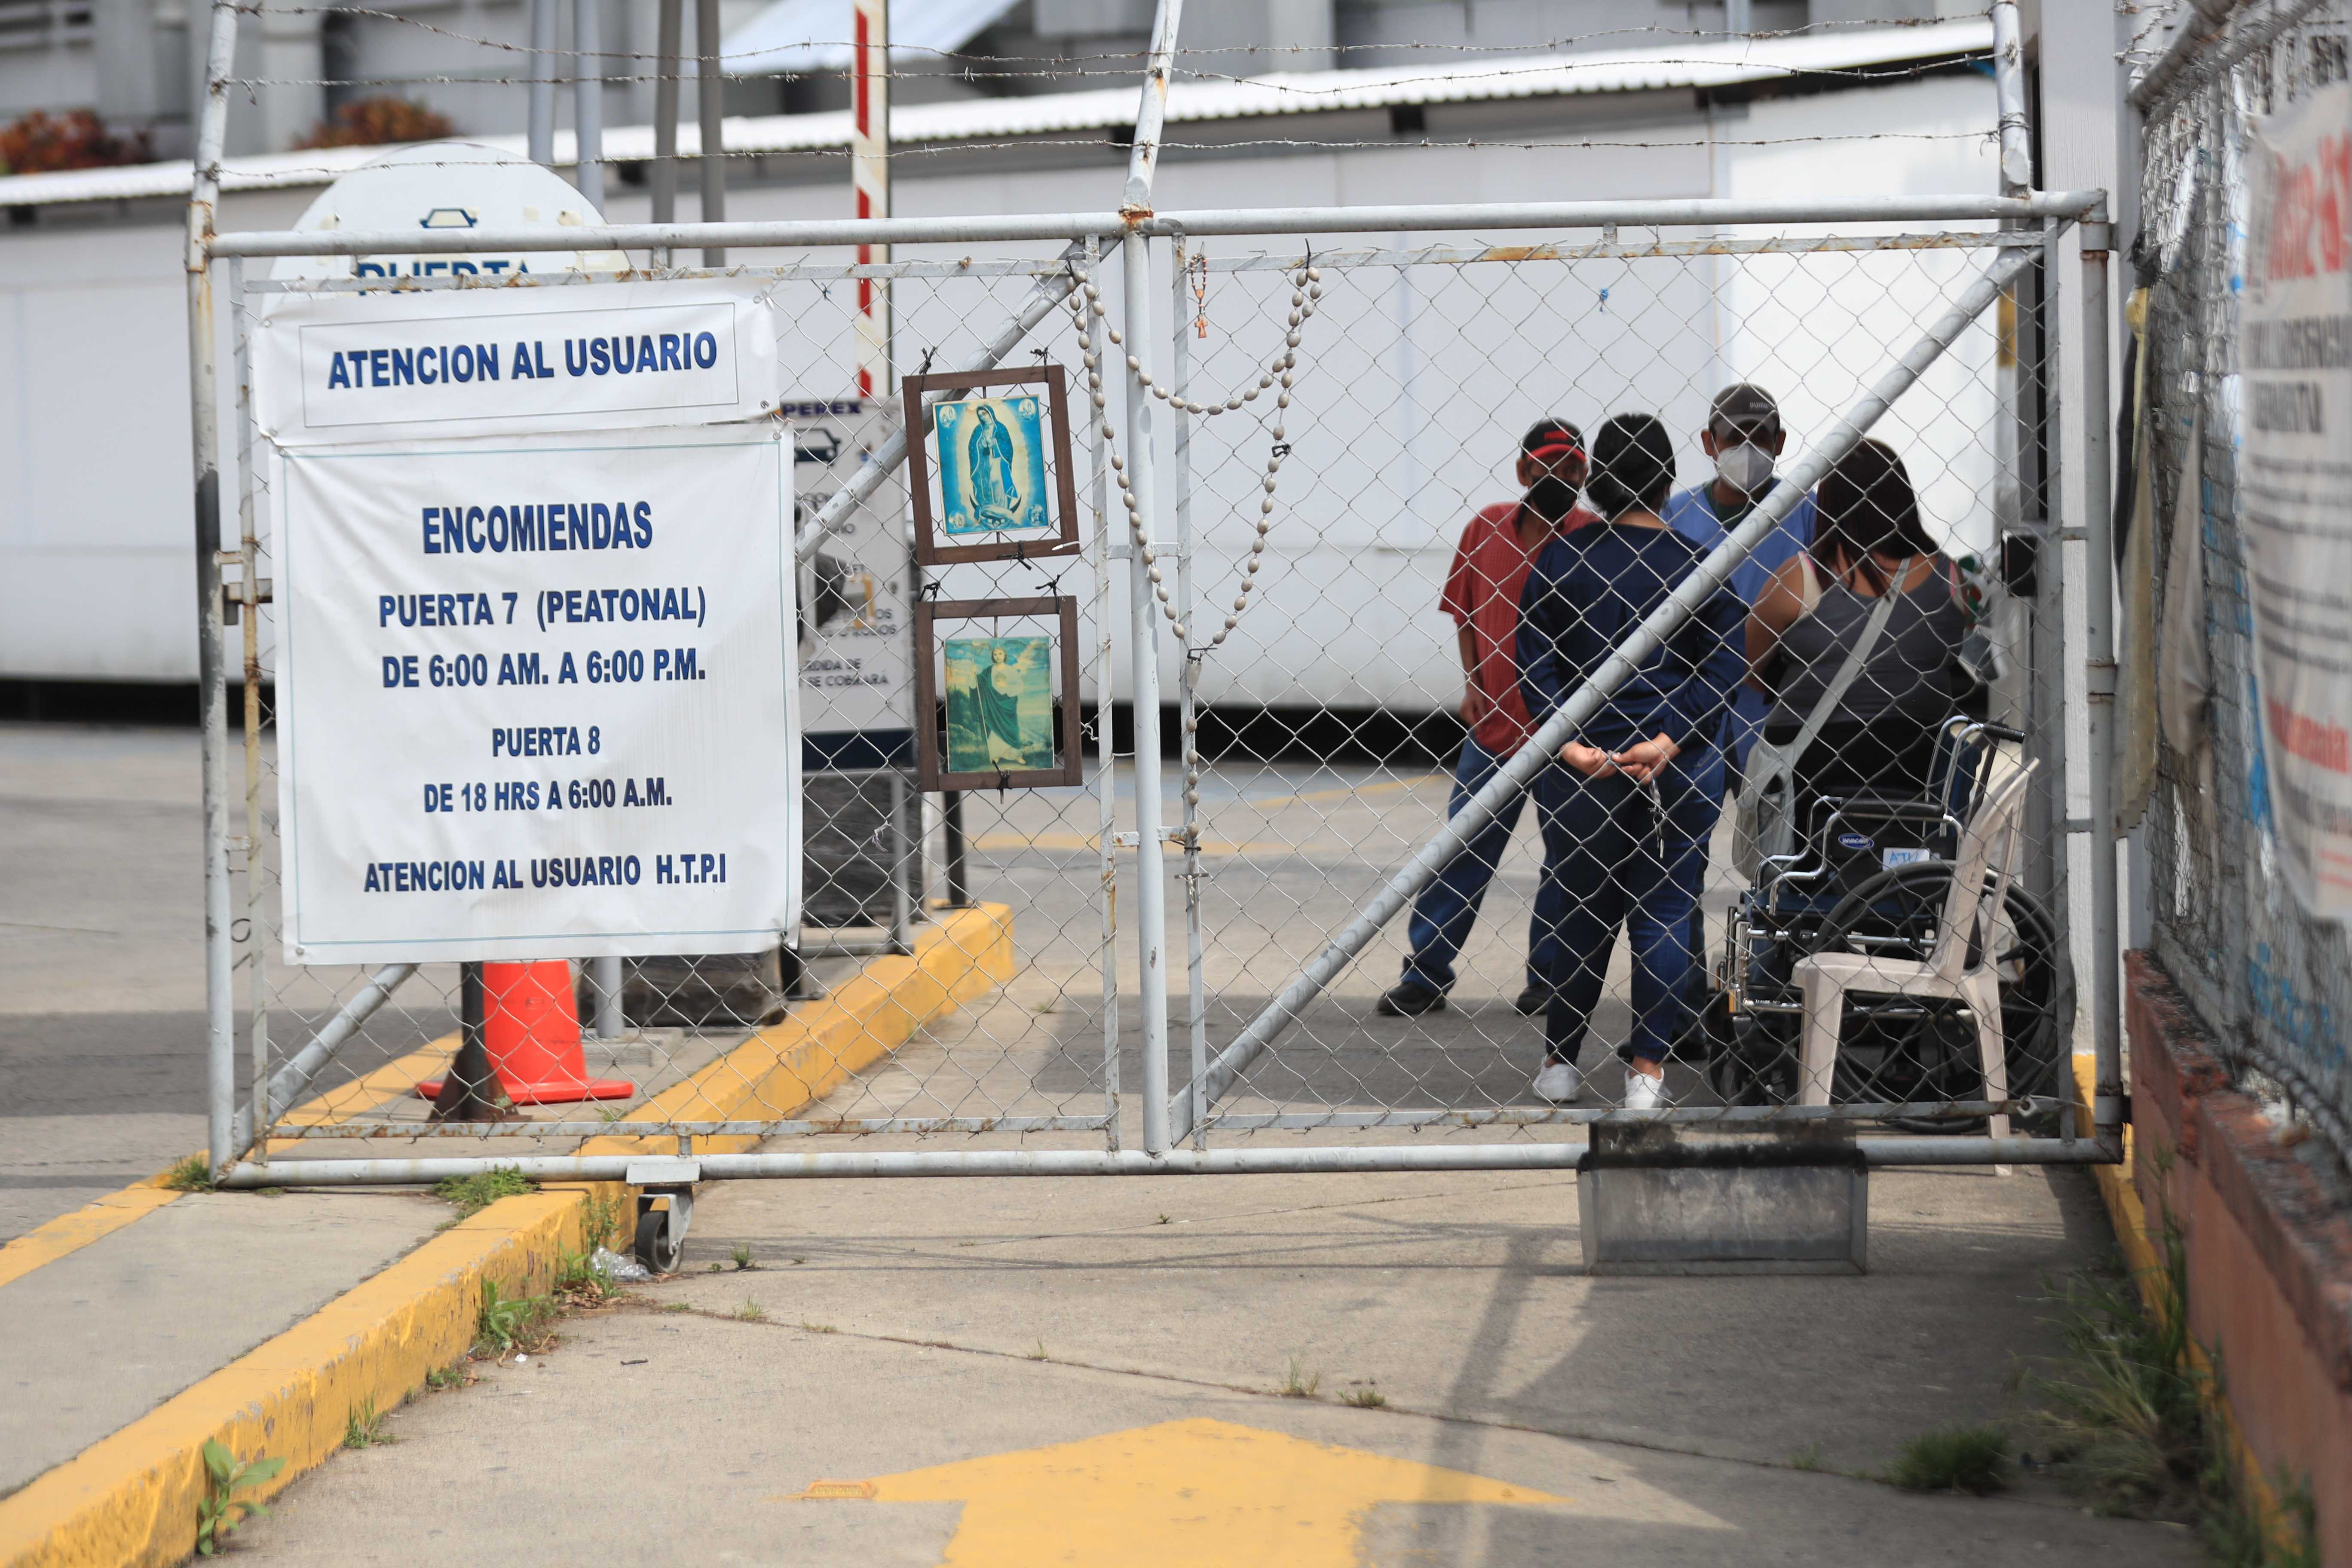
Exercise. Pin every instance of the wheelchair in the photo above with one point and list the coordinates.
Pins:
(1871, 874)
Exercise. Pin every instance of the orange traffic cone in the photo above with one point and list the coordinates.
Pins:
(531, 1025)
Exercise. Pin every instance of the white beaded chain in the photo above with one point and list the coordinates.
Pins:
(1306, 288)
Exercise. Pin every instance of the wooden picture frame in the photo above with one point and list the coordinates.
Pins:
(1045, 476)
(937, 737)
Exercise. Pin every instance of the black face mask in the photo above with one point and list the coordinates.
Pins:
(1552, 497)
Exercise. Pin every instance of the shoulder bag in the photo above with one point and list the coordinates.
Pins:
(1764, 824)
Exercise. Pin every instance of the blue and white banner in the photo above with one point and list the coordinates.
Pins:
(339, 368)
(537, 697)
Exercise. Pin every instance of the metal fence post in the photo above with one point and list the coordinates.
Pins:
(588, 101)
(668, 25)
(2047, 811)
(1188, 695)
(2099, 681)
(1106, 753)
(1151, 850)
(1143, 661)
(212, 675)
(249, 552)
(709, 106)
(902, 869)
(542, 82)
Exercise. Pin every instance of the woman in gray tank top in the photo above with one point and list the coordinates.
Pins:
(1867, 541)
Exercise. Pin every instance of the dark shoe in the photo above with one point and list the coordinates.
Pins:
(1533, 1000)
(1409, 999)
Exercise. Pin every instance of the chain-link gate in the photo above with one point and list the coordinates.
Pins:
(1280, 439)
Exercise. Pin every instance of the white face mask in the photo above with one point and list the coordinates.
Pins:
(1745, 468)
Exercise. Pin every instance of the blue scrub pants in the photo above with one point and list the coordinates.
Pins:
(1615, 877)
(1445, 909)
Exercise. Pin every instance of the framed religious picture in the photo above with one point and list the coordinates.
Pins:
(991, 478)
(996, 692)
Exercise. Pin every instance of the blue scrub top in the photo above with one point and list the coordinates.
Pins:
(1692, 514)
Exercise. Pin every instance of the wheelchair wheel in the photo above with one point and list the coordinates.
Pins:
(1893, 1049)
(1749, 1061)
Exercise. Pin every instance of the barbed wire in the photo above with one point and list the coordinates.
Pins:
(288, 174)
(1563, 43)
(1908, 71)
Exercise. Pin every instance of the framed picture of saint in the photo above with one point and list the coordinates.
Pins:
(990, 467)
(999, 680)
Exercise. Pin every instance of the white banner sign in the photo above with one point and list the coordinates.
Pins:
(2297, 491)
(537, 697)
(338, 368)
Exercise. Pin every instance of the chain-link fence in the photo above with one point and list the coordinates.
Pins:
(1363, 465)
(2216, 510)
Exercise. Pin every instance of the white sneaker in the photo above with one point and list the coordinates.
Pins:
(1643, 1092)
(1560, 1083)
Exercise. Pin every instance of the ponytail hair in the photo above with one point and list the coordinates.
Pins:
(1866, 504)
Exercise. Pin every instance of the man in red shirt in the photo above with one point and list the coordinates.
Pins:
(1481, 594)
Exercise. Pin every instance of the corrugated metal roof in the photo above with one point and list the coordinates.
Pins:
(1487, 79)
(813, 35)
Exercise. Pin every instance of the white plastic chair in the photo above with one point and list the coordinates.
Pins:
(1959, 967)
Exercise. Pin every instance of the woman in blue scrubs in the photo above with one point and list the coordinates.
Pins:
(1638, 789)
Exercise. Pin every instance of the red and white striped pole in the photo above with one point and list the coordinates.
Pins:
(869, 180)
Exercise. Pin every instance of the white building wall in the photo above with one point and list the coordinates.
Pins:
(1416, 382)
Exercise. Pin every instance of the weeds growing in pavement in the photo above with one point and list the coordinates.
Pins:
(221, 1511)
(1808, 1457)
(1036, 1354)
(447, 1377)
(2124, 1411)
(510, 1324)
(363, 1429)
(1364, 1396)
(819, 1329)
(599, 1218)
(750, 1311)
(472, 1195)
(1297, 1384)
(742, 1257)
(2237, 1536)
(190, 1175)
(1952, 1460)
(579, 1282)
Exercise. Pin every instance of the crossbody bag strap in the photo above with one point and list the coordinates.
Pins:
(1752, 788)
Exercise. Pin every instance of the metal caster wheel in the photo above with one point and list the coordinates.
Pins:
(661, 1235)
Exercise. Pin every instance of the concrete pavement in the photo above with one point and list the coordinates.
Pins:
(908, 1324)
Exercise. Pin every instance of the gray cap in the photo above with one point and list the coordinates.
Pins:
(1743, 411)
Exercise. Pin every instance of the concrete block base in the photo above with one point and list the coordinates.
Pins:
(1810, 1214)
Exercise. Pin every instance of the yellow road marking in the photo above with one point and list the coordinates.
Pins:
(1354, 793)
(1182, 1493)
(1087, 842)
(71, 1232)
(101, 1218)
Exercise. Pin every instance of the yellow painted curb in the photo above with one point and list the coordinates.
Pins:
(131, 1497)
(785, 1066)
(2128, 1216)
(71, 1232)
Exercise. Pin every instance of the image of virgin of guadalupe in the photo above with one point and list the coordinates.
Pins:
(988, 451)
